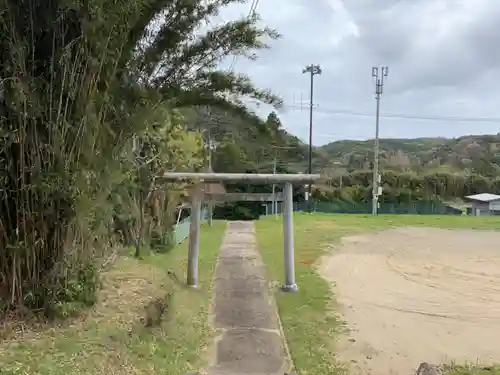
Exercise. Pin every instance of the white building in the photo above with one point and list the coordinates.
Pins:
(484, 204)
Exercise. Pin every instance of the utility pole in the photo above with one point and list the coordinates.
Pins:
(312, 70)
(210, 146)
(275, 203)
(379, 74)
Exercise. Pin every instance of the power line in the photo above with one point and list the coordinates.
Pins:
(402, 115)
(220, 126)
(251, 12)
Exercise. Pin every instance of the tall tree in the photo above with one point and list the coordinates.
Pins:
(82, 79)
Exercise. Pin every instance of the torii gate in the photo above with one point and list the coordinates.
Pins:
(199, 196)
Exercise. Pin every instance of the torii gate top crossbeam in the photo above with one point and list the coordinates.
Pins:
(242, 177)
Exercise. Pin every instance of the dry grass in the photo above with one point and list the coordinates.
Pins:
(111, 339)
(472, 369)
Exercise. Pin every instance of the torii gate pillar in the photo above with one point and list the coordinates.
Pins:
(194, 236)
(288, 241)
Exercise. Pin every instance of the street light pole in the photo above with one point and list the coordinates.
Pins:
(312, 70)
(378, 74)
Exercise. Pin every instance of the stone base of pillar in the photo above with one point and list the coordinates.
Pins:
(289, 288)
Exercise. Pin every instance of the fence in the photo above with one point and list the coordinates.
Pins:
(181, 230)
(297, 207)
(341, 207)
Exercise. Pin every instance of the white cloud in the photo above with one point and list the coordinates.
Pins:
(443, 56)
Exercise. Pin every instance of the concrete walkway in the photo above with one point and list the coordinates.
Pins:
(249, 339)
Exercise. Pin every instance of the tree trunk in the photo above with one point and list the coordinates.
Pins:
(140, 235)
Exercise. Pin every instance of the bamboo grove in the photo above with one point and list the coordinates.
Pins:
(93, 96)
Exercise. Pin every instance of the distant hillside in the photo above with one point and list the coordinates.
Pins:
(423, 169)
(474, 154)
(248, 143)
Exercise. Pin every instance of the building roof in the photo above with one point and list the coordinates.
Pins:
(483, 197)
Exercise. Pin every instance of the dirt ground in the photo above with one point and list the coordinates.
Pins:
(412, 295)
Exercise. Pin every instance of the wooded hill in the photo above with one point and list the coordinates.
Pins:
(257, 142)
(412, 169)
(472, 154)
(247, 143)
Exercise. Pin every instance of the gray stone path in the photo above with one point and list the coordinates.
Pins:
(249, 339)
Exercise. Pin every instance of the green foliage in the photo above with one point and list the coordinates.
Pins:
(406, 187)
(161, 241)
(248, 143)
(239, 211)
(92, 102)
(69, 296)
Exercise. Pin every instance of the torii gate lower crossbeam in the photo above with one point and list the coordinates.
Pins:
(200, 179)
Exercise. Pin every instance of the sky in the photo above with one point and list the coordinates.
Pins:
(443, 58)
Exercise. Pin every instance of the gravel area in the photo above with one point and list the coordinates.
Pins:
(412, 295)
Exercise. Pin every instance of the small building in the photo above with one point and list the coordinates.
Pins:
(484, 204)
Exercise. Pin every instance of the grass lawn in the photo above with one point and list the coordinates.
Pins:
(309, 325)
(111, 339)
